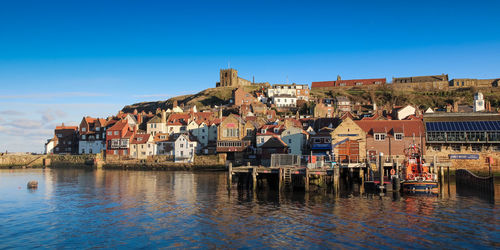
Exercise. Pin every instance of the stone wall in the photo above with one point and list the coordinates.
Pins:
(13, 160)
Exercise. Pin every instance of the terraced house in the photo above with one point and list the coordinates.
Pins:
(92, 135)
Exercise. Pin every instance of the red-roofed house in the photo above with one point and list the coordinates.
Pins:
(391, 137)
(272, 146)
(118, 139)
(266, 132)
(67, 140)
(177, 123)
(92, 138)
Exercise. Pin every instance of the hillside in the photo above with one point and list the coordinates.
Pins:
(385, 96)
(206, 98)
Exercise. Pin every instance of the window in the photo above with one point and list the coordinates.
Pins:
(327, 140)
(317, 140)
(455, 147)
(110, 132)
(182, 145)
(182, 153)
(59, 135)
(476, 148)
(191, 145)
(342, 84)
(97, 136)
(436, 148)
(84, 129)
(98, 129)
(379, 137)
(83, 137)
(115, 152)
(289, 140)
(359, 83)
(289, 151)
(116, 132)
(398, 136)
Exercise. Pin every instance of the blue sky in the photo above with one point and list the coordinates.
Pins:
(61, 60)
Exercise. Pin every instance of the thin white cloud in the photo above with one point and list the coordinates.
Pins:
(24, 123)
(11, 112)
(50, 114)
(53, 95)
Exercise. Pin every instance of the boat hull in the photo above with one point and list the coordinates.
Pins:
(423, 187)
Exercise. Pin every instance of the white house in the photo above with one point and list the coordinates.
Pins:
(185, 149)
(283, 101)
(478, 102)
(50, 145)
(92, 135)
(295, 138)
(403, 113)
(142, 146)
(200, 131)
(301, 91)
(157, 124)
(164, 144)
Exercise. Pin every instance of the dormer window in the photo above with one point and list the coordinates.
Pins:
(263, 131)
(276, 130)
(139, 139)
(398, 136)
(379, 136)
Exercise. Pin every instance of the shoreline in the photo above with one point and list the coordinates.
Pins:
(122, 166)
(170, 167)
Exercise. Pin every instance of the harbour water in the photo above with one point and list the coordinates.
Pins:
(147, 209)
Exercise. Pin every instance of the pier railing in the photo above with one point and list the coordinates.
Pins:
(466, 178)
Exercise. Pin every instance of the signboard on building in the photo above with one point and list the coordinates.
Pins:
(464, 156)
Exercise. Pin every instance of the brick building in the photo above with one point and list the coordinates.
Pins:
(67, 139)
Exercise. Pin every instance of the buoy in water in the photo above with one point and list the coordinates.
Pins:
(33, 184)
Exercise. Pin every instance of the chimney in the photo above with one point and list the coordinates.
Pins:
(220, 112)
(164, 117)
(139, 119)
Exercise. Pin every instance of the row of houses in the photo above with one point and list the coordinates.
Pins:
(346, 139)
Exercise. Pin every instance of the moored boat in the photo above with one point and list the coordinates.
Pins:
(416, 175)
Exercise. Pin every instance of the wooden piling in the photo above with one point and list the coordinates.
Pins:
(254, 178)
(381, 171)
(280, 179)
(229, 175)
(306, 184)
(336, 179)
(362, 178)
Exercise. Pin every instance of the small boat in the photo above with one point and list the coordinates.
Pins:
(416, 175)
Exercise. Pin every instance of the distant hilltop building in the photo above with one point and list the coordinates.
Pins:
(348, 83)
(468, 82)
(422, 82)
(229, 78)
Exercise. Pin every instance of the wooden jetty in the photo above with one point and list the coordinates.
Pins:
(285, 177)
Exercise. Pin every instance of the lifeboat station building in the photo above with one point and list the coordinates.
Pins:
(463, 135)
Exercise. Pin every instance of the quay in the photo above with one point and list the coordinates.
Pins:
(330, 177)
